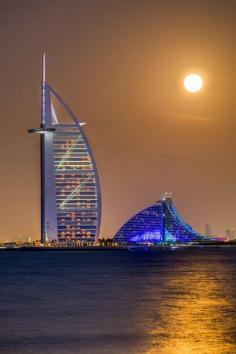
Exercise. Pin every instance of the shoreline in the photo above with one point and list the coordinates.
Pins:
(107, 249)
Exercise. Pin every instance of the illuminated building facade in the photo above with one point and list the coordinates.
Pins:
(159, 223)
(70, 188)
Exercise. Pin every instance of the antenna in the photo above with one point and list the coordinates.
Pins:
(44, 67)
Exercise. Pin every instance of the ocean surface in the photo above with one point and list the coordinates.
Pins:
(165, 302)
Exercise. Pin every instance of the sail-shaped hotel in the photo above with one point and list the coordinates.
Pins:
(70, 188)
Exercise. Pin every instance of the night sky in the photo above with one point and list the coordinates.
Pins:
(120, 66)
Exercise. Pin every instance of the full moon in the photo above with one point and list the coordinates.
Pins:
(193, 83)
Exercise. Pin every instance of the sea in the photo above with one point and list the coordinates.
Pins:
(179, 301)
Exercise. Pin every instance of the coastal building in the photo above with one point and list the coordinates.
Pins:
(208, 232)
(70, 188)
(229, 234)
(159, 223)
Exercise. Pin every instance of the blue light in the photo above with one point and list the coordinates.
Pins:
(169, 237)
(152, 237)
(156, 224)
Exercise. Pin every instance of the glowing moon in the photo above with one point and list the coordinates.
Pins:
(193, 83)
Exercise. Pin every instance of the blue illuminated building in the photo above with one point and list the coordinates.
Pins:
(70, 188)
(159, 223)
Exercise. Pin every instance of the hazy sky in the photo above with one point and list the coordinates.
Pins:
(120, 65)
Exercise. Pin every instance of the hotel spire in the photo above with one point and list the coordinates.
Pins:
(44, 67)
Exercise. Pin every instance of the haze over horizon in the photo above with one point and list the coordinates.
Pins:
(120, 66)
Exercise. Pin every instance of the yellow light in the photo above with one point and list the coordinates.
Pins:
(193, 83)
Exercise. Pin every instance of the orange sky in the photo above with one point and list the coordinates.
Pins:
(120, 65)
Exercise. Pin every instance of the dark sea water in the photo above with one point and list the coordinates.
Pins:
(167, 302)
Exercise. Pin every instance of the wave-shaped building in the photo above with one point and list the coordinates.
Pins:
(159, 223)
(70, 188)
